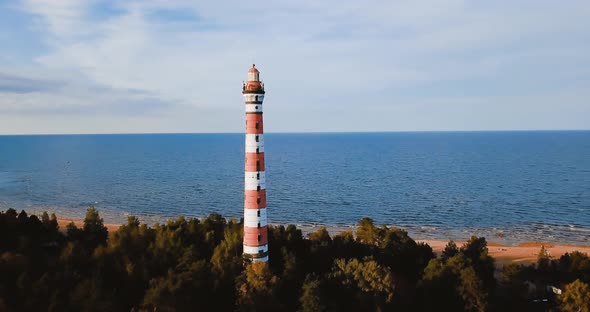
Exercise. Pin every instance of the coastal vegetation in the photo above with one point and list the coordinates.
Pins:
(197, 265)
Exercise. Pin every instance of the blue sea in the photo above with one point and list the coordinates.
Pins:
(508, 186)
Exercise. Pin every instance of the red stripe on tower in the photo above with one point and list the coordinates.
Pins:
(255, 222)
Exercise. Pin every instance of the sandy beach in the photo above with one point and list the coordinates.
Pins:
(63, 223)
(522, 253)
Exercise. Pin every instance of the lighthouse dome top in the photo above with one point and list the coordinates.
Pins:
(253, 73)
(253, 69)
(253, 85)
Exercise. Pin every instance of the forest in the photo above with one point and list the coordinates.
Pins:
(197, 265)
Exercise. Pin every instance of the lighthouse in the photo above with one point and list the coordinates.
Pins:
(255, 221)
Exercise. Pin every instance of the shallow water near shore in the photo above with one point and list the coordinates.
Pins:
(507, 186)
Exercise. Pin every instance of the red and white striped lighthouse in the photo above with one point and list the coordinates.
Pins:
(255, 222)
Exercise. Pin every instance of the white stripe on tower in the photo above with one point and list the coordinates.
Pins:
(255, 218)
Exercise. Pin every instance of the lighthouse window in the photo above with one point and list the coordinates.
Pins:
(257, 125)
(258, 188)
(258, 202)
(258, 212)
(256, 138)
(258, 224)
(258, 165)
(257, 150)
(259, 237)
(256, 107)
(258, 176)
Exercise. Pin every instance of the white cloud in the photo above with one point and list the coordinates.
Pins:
(61, 17)
(315, 56)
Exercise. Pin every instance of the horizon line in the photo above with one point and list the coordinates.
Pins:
(302, 132)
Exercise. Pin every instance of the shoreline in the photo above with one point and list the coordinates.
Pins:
(525, 252)
(505, 235)
(63, 223)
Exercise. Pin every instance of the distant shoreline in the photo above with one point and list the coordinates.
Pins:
(307, 132)
(500, 237)
(496, 236)
(522, 253)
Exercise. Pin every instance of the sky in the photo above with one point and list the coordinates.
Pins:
(77, 66)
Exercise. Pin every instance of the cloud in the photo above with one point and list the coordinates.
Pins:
(60, 17)
(24, 96)
(80, 102)
(15, 84)
(177, 58)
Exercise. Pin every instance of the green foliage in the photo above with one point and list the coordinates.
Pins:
(450, 251)
(192, 264)
(95, 233)
(543, 259)
(575, 265)
(321, 235)
(227, 255)
(344, 238)
(181, 289)
(367, 232)
(256, 289)
(476, 251)
(576, 297)
(462, 279)
(311, 297)
(367, 278)
(453, 286)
